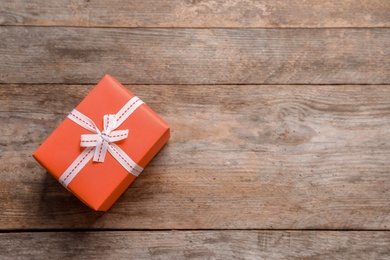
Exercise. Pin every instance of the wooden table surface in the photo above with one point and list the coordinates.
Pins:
(280, 119)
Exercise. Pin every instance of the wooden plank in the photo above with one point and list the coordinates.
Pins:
(197, 245)
(195, 56)
(197, 13)
(263, 157)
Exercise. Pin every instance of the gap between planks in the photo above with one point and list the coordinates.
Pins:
(5, 231)
(195, 28)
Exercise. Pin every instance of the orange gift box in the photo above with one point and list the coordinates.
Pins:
(100, 184)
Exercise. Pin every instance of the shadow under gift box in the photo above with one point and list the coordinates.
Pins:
(100, 184)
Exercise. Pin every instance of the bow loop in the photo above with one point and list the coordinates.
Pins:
(103, 139)
(109, 122)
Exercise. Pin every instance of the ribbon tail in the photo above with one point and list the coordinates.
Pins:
(76, 166)
(100, 152)
(89, 140)
(124, 160)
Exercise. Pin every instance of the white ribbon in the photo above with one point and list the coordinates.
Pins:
(98, 143)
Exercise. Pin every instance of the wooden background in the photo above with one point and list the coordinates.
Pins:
(280, 118)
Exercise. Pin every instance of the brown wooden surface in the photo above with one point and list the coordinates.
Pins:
(198, 245)
(280, 117)
(291, 157)
(195, 56)
(197, 13)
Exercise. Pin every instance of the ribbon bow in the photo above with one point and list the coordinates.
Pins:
(98, 143)
(100, 140)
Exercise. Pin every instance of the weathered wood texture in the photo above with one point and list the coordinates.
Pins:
(195, 56)
(286, 157)
(197, 245)
(197, 13)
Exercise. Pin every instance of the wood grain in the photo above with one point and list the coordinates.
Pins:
(197, 245)
(197, 13)
(240, 157)
(195, 56)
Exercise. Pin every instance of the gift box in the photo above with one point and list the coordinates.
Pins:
(103, 144)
